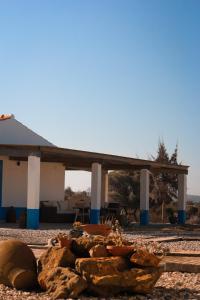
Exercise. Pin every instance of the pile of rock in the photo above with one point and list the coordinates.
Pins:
(94, 264)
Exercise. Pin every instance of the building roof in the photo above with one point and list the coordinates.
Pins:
(12, 132)
(82, 160)
(18, 142)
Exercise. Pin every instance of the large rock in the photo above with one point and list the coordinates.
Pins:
(56, 277)
(101, 266)
(56, 257)
(62, 283)
(98, 251)
(18, 267)
(82, 245)
(133, 280)
(145, 259)
(110, 275)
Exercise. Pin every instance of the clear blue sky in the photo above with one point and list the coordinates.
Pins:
(107, 76)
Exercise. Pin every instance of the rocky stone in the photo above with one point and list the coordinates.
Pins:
(82, 245)
(111, 275)
(145, 259)
(98, 251)
(133, 280)
(56, 257)
(61, 282)
(17, 265)
(100, 266)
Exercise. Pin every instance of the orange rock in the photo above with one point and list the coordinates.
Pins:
(82, 245)
(96, 229)
(62, 283)
(101, 265)
(56, 257)
(145, 259)
(133, 280)
(120, 250)
(98, 251)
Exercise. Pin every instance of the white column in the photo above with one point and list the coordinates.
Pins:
(104, 188)
(144, 197)
(33, 191)
(95, 194)
(182, 195)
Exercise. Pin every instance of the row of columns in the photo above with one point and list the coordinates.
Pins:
(144, 197)
(99, 193)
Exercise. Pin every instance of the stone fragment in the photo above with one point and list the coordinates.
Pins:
(100, 266)
(133, 280)
(61, 240)
(82, 245)
(107, 276)
(145, 259)
(18, 267)
(56, 257)
(62, 283)
(98, 251)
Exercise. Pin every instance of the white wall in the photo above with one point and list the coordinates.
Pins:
(15, 182)
(52, 182)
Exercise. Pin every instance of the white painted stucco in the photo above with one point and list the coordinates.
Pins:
(52, 182)
(14, 183)
(15, 176)
(96, 186)
(33, 187)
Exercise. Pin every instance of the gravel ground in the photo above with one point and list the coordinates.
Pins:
(182, 245)
(170, 286)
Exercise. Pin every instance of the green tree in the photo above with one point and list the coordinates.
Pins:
(167, 183)
(124, 186)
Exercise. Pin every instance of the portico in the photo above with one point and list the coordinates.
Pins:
(99, 165)
(32, 170)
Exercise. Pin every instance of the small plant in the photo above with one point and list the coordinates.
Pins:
(116, 236)
(76, 225)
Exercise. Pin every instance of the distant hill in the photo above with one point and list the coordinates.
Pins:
(193, 198)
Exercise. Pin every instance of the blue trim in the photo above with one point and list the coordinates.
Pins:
(144, 217)
(18, 210)
(181, 216)
(94, 216)
(3, 211)
(32, 218)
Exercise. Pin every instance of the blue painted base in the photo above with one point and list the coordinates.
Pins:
(18, 210)
(144, 217)
(94, 216)
(3, 213)
(181, 216)
(33, 218)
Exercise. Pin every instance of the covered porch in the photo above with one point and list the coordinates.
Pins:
(98, 164)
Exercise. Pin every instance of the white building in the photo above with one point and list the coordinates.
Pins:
(33, 170)
(14, 173)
